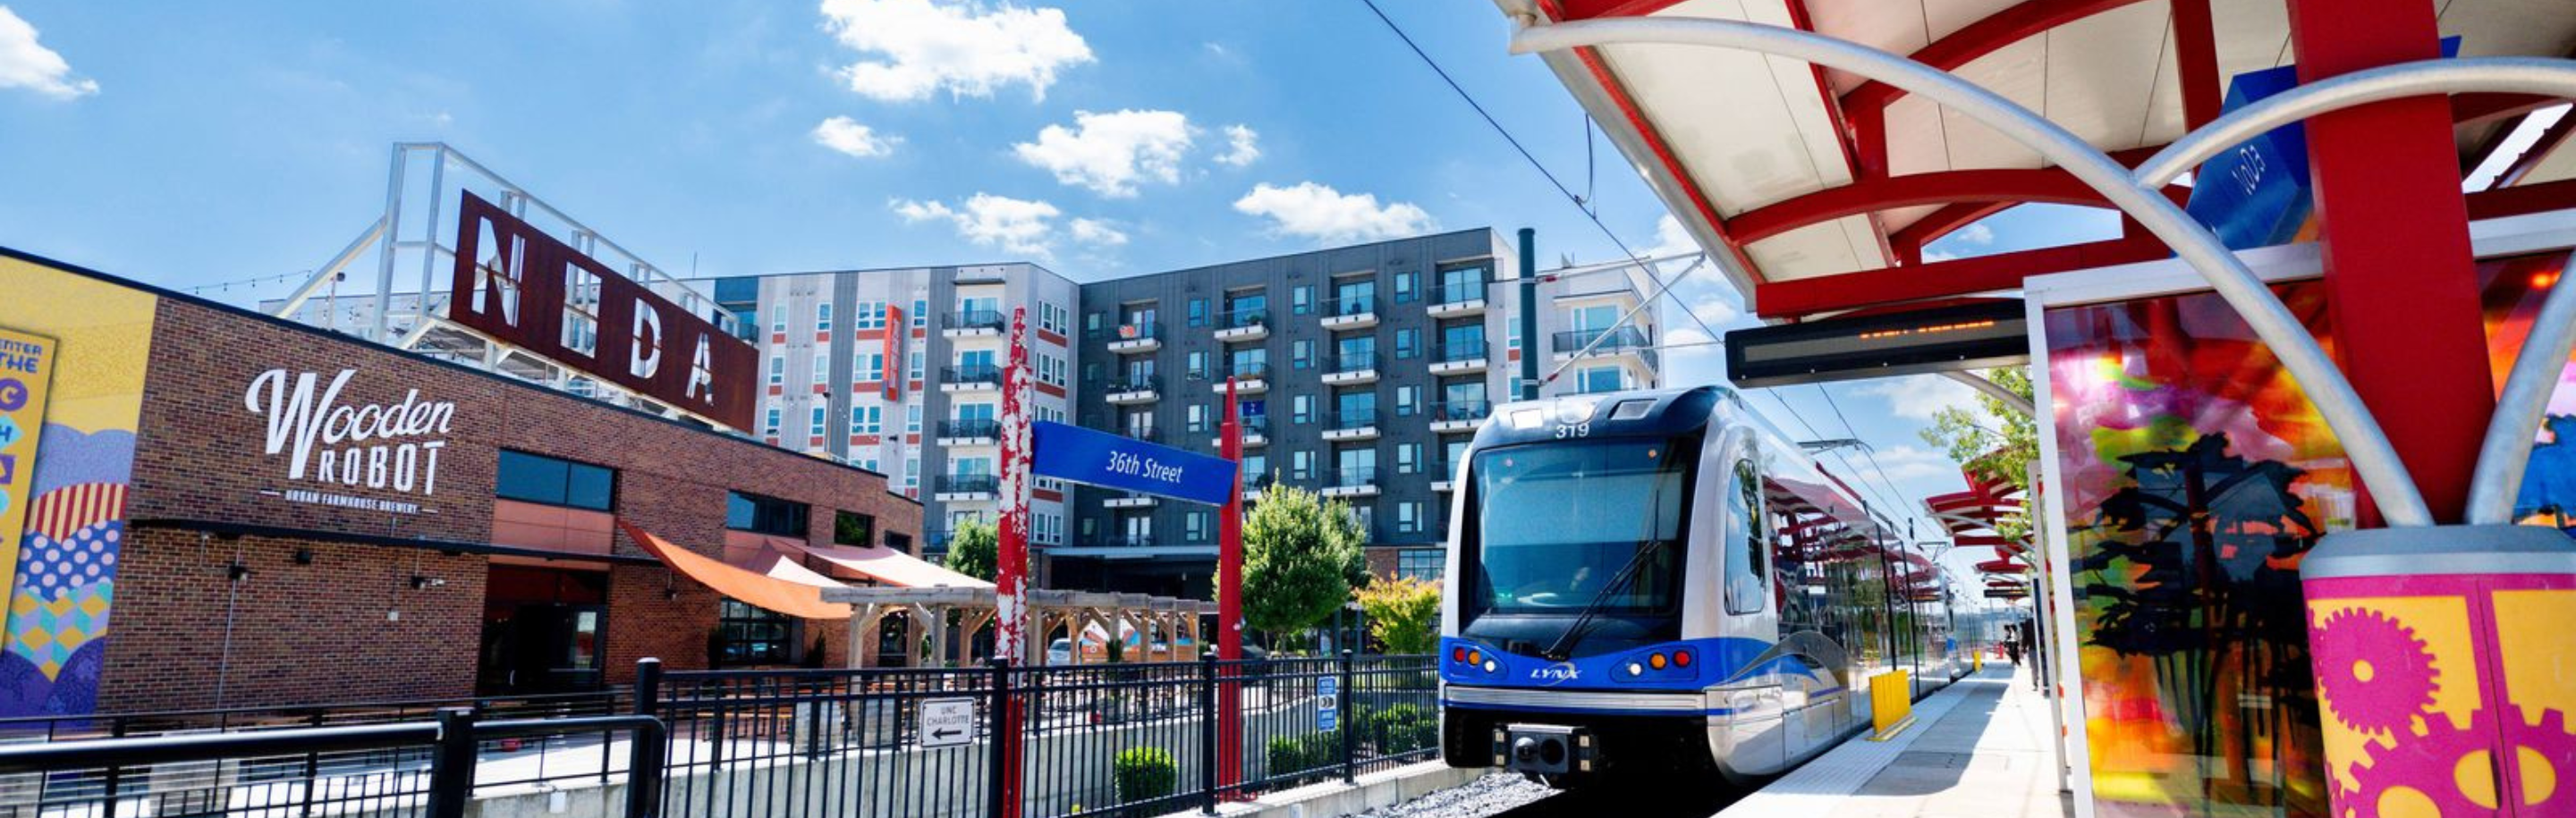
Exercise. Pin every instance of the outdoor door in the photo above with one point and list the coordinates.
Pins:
(543, 648)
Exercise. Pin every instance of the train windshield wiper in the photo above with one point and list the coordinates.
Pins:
(1627, 574)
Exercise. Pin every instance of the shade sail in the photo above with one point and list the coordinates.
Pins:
(758, 590)
(778, 563)
(884, 565)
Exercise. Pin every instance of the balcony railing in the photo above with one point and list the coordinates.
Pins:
(1257, 483)
(1137, 331)
(1458, 294)
(976, 319)
(971, 373)
(1351, 477)
(1461, 410)
(1350, 305)
(968, 484)
(1614, 339)
(1455, 351)
(1245, 317)
(970, 427)
(1354, 362)
(1248, 370)
(1137, 383)
(1127, 540)
(1141, 433)
(1354, 419)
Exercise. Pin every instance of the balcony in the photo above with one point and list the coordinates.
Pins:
(1247, 324)
(1148, 434)
(1357, 481)
(1351, 312)
(1353, 425)
(1443, 476)
(1460, 358)
(970, 378)
(1129, 501)
(1256, 432)
(972, 323)
(1352, 368)
(970, 432)
(1135, 338)
(1135, 390)
(1457, 302)
(1255, 485)
(983, 274)
(1459, 415)
(1125, 541)
(1613, 340)
(956, 488)
(1250, 378)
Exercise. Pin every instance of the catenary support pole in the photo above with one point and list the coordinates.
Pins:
(1010, 598)
(1529, 314)
(2373, 457)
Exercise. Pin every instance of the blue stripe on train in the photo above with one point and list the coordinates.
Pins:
(1714, 660)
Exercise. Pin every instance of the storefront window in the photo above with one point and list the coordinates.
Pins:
(765, 515)
(747, 635)
(853, 528)
(540, 479)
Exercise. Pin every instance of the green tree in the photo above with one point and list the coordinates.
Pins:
(1300, 558)
(1995, 439)
(974, 549)
(1403, 613)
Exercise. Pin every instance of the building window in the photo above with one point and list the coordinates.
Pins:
(1407, 399)
(1404, 289)
(1408, 517)
(1426, 564)
(1408, 458)
(912, 366)
(1091, 322)
(823, 317)
(778, 318)
(555, 482)
(1301, 409)
(1301, 465)
(867, 420)
(1194, 527)
(912, 418)
(1198, 312)
(748, 635)
(1408, 343)
(764, 515)
(818, 420)
(771, 427)
(822, 370)
(871, 368)
(920, 313)
(1197, 417)
(870, 315)
(1302, 299)
(853, 528)
(777, 371)
(1198, 362)
(1597, 379)
(1301, 354)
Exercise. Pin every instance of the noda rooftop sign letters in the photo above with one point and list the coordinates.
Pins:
(512, 281)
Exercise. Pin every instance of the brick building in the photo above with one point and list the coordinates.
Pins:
(226, 509)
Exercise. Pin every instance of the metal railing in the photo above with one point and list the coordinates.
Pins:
(1245, 317)
(976, 319)
(971, 373)
(1455, 351)
(1142, 432)
(1339, 306)
(1444, 294)
(1461, 410)
(1351, 477)
(1354, 362)
(970, 427)
(1124, 540)
(1618, 338)
(1354, 419)
(967, 484)
(1139, 331)
(1248, 370)
(1137, 383)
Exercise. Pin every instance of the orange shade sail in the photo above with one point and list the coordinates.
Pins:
(758, 590)
(883, 564)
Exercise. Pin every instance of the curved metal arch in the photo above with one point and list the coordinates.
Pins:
(2373, 458)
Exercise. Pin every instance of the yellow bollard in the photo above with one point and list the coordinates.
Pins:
(1891, 703)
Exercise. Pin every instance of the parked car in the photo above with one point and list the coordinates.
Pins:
(1059, 653)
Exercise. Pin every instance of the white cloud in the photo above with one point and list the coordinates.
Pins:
(967, 49)
(1243, 145)
(1976, 233)
(1326, 215)
(1911, 462)
(1097, 232)
(1015, 225)
(25, 63)
(1671, 239)
(1109, 153)
(846, 135)
(1921, 396)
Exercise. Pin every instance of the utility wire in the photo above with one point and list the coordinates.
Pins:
(1866, 451)
(1580, 203)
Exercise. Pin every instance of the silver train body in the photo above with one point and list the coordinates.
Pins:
(1658, 582)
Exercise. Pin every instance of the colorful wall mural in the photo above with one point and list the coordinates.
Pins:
(65, 567)
(2196, 476)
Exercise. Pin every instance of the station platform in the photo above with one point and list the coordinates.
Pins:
(1979, 748)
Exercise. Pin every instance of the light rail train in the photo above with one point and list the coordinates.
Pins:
(1658, 582)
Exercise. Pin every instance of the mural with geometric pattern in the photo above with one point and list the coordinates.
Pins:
(65, 588)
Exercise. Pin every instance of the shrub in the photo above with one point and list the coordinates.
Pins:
(1303, 755)
(1144, 774)
(1403, 728)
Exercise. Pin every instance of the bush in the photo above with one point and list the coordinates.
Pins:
(1305, 754)
(1144, 774)
(1403, 728)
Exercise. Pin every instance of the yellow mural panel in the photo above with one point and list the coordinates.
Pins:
(105, 332)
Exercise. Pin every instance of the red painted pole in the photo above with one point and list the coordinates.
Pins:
(1229, 594)
(1012, 557)
(2398, 270)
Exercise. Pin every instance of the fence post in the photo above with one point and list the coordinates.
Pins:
(1207, 733)
(451, 769)
(645, 759)
(1342, 693)
(996, 711)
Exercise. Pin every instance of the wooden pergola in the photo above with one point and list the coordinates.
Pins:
(1165, 620)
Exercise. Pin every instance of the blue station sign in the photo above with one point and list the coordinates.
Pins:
(1101, 459)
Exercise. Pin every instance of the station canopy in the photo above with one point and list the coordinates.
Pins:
(1817, 191)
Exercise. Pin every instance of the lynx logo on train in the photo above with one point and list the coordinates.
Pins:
(374, 446)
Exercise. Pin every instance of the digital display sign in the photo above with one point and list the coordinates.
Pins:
(1953, 337)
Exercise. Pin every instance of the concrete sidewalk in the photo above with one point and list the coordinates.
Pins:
(1978, 749)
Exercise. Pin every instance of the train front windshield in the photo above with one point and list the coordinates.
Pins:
(1561, 526)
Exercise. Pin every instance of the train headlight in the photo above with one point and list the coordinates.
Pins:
(1634, 670)
(1490, 667)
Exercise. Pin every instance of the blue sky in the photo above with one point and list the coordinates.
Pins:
(195, 144)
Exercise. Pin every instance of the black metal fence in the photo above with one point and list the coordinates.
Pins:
(1116, 739)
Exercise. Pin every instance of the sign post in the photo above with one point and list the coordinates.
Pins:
(1229, 594)
(1011, 582)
